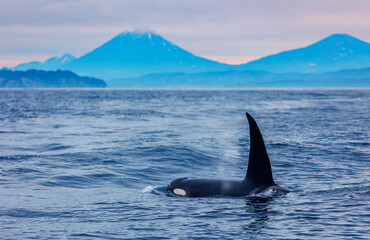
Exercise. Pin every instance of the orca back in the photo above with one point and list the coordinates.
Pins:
(257, 180)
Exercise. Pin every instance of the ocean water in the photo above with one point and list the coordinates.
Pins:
(94, 164)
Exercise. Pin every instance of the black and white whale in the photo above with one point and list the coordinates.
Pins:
(258, 179)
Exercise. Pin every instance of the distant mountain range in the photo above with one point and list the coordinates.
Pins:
(46, 79)
(135, 54)
(51, 64)
(249, 78)
(131, 54)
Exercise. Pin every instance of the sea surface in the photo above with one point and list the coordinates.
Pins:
(94, 164)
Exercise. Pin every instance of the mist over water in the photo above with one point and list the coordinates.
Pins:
(94, 164)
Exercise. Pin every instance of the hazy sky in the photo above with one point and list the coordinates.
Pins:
(233, 31)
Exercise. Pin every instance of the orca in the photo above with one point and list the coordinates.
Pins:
(258, 179)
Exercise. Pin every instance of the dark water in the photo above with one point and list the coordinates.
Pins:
(93, 164)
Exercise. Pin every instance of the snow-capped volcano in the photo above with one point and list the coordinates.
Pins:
(336, 52)
(135, 53)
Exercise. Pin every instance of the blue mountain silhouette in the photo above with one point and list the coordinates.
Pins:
(133, 54)
(51, 64)
(336, 52)
(46, 79)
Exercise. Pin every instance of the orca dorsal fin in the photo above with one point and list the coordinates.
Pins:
(259, 167)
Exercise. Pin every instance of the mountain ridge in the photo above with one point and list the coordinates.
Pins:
(53, 63)
(132, 54)
(47, 79)
(250, 78)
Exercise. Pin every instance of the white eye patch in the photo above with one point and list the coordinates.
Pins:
(179, 191)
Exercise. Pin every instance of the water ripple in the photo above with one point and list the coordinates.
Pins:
(84, 164)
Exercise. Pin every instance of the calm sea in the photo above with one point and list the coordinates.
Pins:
(94, 164)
